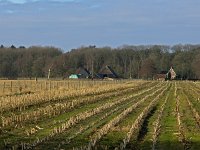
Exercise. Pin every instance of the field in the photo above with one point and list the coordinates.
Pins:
(99, 115)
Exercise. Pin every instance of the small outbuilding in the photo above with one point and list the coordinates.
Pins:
(171, 74)
(162, 76)
(166, 75)
(74, 76)
(81, 73)
(107, 72)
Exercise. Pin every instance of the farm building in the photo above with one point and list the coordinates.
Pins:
(171, 74)
(161, 76)
(74, 76)
(81, 73)
(166, 75)
(107, 72)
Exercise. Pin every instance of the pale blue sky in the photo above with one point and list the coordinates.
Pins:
(73, 23)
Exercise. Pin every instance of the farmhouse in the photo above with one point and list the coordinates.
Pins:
(161, 76)
(166, 75)
(81, 73)
(171, 74)
(107, 72)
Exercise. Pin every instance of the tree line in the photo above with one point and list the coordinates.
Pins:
(127, 61)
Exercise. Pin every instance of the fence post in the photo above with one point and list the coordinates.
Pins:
(45, 85)
(57, 85)
(41, 86)
(53, 84)
(4, 85)
(11, 86)
(35, 85)
(65, 84)
(50, 85)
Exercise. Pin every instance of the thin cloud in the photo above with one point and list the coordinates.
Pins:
(30, 1)
(17, 1)
(9, 11)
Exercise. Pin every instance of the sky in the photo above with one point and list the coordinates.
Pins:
(69, 24)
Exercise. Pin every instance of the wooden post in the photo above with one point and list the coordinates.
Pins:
(4, 86)
(80, 84)
(57, 85)
(49, 73)
(11, 84)
(65, 84)
(31, 85)
(41, 86)
(45, 85)
(35, 85)
(53, 84)
(50, 85)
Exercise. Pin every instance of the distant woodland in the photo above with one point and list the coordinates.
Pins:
(127, 61)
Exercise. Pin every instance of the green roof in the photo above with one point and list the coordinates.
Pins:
(74, 76)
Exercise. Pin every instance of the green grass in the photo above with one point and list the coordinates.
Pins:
(169, 133)
(81, 139)
(112, 140)
(191, 128)
(146, 142)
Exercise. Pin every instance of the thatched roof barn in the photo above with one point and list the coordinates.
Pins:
(161, 76)
(81, 73)
(166, 75)
(108, 72)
